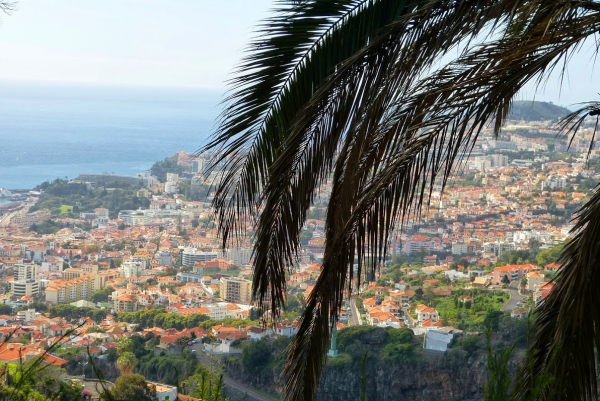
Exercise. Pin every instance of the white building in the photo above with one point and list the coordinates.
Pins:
(27, 315)
(553, 183)
(22, 288)
(52, 264)
(189, 277)
(190, 256)
(437, 340)
(26, 271)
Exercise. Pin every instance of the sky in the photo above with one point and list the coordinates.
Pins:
(181, 43)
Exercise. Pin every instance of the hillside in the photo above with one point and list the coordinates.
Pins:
(529, 110)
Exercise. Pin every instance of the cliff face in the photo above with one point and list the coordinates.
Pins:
(452, 377)
(455, 376)
(396, 369)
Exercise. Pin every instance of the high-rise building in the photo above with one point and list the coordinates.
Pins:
(22, 288)
(235, 289)
(26, 271)
(198, 166)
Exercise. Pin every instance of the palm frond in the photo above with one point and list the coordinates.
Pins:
(571, 123)
(565, 334)
(439, 124)
(561, 361)
(297, 50)
(372, 114)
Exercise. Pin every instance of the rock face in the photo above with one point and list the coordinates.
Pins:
(448, 378)
(395, 369)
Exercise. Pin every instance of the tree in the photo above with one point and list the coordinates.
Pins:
(505, 280)
(132, 387)
(348, 92)
(256, 355)
(127, 360)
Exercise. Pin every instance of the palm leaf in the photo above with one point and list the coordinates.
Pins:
(379, 123)
(561, 361)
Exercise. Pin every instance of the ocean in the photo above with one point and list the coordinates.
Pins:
(50, 130)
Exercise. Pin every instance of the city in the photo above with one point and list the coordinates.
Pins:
(81, 272)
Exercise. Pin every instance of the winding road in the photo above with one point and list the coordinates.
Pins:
(515, 297)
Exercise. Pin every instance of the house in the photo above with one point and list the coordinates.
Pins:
(513, 272)
(425, 312)
(481, 281)
(164, 392)
(437, 340)
(401, 297)
(257, 332)
(533, 280)
(286, 328)
(519, 313)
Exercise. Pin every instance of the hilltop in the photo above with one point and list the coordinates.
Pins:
(530, 110)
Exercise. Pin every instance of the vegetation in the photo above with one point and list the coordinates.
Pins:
(70, 312)
(60, 193)
(167, 165)
(207, 384)
(529, 110)
(35, 381)
(256, 355)
(102, 295)
(127, 360)
(47, 227)
(470, 315)
(132, 387)
(161, 318)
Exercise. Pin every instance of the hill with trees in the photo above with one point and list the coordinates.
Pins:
(121, 196)
(530, 110)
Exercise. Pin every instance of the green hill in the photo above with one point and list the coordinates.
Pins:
(530, 110)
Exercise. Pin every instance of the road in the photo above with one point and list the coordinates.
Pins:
(355, 319)
(250, 392)
(407, 316)
(515, 297)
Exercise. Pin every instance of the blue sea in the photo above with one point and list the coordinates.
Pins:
(50, 131)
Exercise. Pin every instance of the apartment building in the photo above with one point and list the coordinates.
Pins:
(67, 291)
(37, 217)
(234, 289)
(189, 256)
(26, 271)
(21, 288)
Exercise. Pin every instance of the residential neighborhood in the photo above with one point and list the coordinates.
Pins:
(77, 279)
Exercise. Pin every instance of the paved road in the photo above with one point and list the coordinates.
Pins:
(355, 319)
(515, 297)
(251, 393)
(96, 387)
(407, 316)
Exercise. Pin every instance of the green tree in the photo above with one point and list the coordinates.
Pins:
(5, 309)
(350, 93)
(256, 355)
(207, 384)
(102, 295)
(127, 359)
(132, 387)
(549, 255)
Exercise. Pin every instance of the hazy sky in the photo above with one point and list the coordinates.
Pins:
(189, 43)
